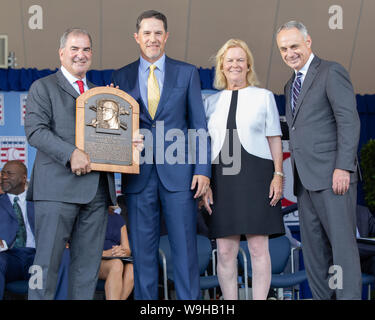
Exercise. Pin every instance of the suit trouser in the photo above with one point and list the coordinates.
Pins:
(14, 265)
(85, 226)
(330, 250)
(180, 211)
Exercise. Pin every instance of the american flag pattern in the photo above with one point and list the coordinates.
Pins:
(13, 148)
(118, 187)
(23, 98)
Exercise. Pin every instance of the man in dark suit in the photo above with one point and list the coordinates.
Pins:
(70, 200)
(173, 176)
(366, 229)
(324, 132)
(17, 243)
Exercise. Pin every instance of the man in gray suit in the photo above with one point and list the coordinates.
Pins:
(324, 132)
(70, 200)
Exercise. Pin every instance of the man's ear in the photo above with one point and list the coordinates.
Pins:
(308, 41)
(136, 37)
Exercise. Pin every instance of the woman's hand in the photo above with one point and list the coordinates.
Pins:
(118, 251)
(208, 200)
(276, 189)
(107, 253)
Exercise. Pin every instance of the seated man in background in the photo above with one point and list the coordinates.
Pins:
(17, 244)
(1, 190)
(366, 229)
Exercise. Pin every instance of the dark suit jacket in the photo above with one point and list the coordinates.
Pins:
(365, 222)
(180, 108)
(50, 127)
(9, 222)
(324, 131)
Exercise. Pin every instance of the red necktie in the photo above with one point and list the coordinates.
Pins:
(80, 86)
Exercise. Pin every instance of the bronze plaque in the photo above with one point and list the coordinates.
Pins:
(106, 122)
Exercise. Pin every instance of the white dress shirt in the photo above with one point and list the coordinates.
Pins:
(30, 240)
(257, 118)
(305, 68)
(73, 80)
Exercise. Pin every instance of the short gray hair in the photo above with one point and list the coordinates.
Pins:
(75, 31)
(295, 24)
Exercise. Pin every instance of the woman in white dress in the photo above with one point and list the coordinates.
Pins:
(247, 175)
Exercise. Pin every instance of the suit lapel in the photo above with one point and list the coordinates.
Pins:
(133, 86)
(90, 84)
(65, 85)
(169, 80)
(310, 76)
(7, 205)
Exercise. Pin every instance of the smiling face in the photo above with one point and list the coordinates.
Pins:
(295, 50)
(13, 178)
(76, 55)
(151, 38)
(235, 68)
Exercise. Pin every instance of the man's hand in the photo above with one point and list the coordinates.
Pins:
(112, 86)
(203, 184)
(340, 181)
(1, 244)
(80, 162)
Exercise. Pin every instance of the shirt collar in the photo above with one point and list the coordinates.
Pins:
(305, 68)
(144, 64)
(21, 196)
(72, 79)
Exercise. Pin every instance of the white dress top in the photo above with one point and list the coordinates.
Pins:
(257, 118)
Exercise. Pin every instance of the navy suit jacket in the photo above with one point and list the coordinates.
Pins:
(9, 222)
(180, 108)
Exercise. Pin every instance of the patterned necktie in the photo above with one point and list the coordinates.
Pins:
(80, 86)
(295, 91)
(21, 233)
(153, 92)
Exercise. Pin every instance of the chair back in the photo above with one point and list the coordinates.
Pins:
(204, 254)
(279, 252)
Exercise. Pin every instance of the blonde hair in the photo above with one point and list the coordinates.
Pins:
(220, 81)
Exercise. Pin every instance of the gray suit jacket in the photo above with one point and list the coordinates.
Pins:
(50, 127)
(324, 132)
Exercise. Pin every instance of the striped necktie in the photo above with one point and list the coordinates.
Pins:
(153, 92)
(21, 232)
(295, 91)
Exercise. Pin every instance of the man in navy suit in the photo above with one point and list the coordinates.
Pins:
(173, 176)
(17, 243)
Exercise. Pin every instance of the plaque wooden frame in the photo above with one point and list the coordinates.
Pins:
(82, 127)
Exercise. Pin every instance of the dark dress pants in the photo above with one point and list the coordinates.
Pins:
(14, 266)
(180, 212)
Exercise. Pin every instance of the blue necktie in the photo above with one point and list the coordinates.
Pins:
(21, 233)
(295, 91)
